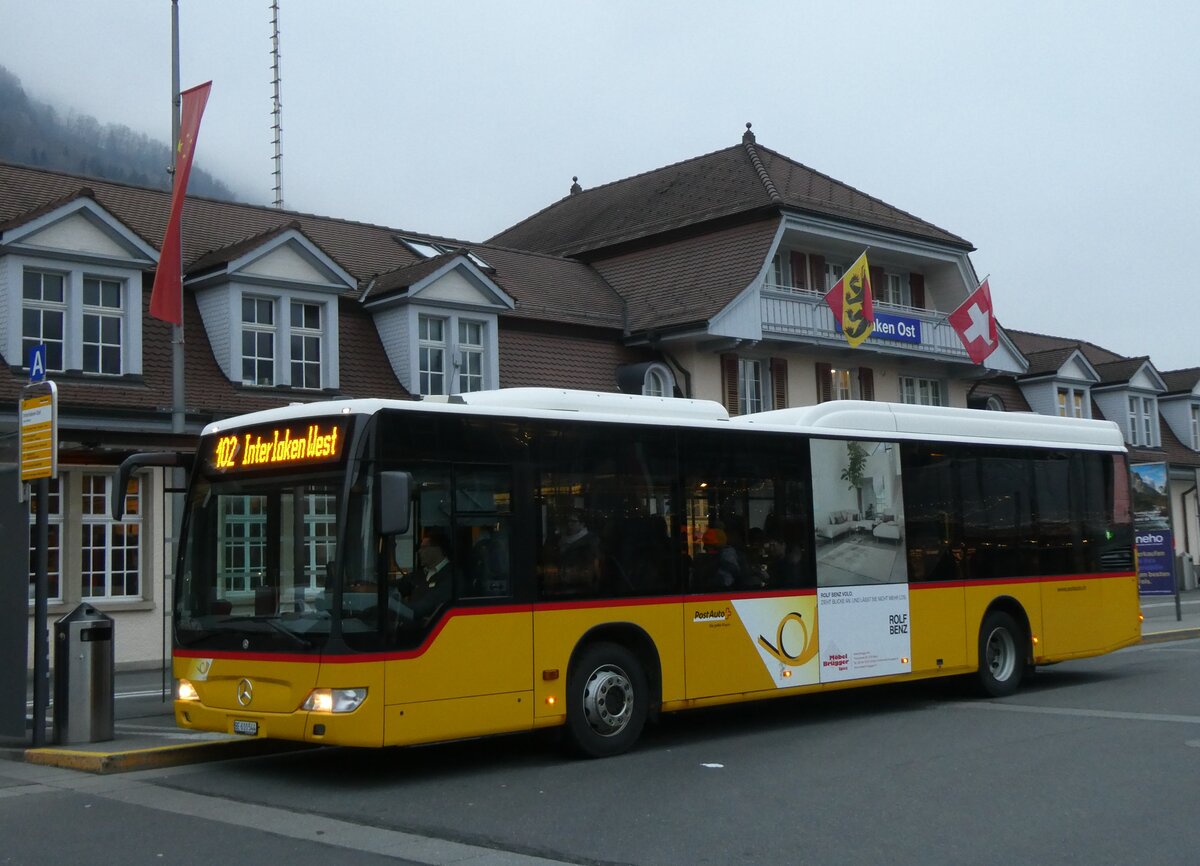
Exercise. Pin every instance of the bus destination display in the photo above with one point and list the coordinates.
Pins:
(279, 446)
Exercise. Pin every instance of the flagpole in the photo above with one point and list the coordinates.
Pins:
(178, 411)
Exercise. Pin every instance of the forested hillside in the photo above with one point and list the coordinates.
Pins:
(34, 133)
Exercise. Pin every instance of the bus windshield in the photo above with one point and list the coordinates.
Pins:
(259, 562)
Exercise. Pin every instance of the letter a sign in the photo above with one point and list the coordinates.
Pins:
(37, 363)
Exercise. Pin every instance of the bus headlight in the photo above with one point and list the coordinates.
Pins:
(187, 691)
(334, 700)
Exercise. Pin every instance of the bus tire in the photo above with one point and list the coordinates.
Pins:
(1001, 655)
(607, 701)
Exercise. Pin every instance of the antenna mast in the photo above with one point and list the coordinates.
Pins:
(277, 105)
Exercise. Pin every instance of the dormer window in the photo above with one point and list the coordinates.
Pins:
(306, 345)
(431, 250)
(1071, 403)
(102, 319)
(1195, 428)
(43, 315)
(258, 341)
(1143, 412)
(81, 319)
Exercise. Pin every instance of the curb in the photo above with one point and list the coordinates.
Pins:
(1175, 634)
(156, 757)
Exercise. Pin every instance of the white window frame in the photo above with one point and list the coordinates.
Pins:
(752, 386)
(775, 277)
(258, 328)
(103, 314)
(103, 536)
(1195, 420)
(894, 290)
(841, 384)
(658, 382)
(302, 334)
(13, 269)
(833, 273)
(432, 353)
(470, 356)
(46, 309)
(917, 391)
(1072, 402)
(1143, 411)
(54, 547)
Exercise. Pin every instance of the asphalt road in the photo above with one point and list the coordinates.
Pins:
(1094, 762)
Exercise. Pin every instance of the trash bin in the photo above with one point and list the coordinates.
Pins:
(83, 677)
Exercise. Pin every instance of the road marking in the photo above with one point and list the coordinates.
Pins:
(294, 826)
(1089, 714)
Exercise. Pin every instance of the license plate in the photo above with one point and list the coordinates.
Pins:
(240, 726)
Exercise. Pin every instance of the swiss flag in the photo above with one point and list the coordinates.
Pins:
(975, 324)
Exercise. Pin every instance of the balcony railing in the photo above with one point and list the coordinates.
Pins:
(803, 315)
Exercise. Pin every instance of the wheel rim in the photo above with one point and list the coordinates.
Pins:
(1001, 654)
(608, 700)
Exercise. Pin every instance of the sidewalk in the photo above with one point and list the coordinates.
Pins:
(151, 740)
(1162, 622)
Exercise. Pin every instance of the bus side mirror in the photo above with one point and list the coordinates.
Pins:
(395, 498)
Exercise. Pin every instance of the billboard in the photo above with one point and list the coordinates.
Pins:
(1152, 534)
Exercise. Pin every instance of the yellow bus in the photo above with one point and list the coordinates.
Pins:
(375, 573)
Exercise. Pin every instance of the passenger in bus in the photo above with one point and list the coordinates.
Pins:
(784, 563)
(579, 554)
(419, 597)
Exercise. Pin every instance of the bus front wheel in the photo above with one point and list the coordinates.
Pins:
(1001, 655)
(607, 700)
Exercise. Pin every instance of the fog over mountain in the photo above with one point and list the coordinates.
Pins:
(35, 133)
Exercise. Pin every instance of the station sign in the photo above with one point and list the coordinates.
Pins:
(39, 431)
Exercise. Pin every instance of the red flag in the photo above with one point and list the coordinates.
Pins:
(852, 304)
(975, 324)
(166, 299)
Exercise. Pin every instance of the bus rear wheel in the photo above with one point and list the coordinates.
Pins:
(1001, 655)
(607, 701)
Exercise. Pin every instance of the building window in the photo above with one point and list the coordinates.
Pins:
(1070, 403)
(431, 334)
(43, 316)
(306, 345)
(1196, 428)
(258, 341)
(1142, 412)
(833, 273)
(111, 551)
(921, 392)
(776, 278)
(655, 384)
(894, 290)
(102, 318)
(243, 543)
(839, 384)
(54, 514)
(470, 356)
(750, 386)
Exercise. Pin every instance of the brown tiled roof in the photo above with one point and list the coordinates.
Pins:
(1115, 372)
(736, 180)
(1004, 388)
(1028, 343)
(1181, 381)
(1049, 360)
(689, 280)
(229, 253)
(538, 356)
(545, 288)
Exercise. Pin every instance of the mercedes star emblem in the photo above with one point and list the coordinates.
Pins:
(245, 692)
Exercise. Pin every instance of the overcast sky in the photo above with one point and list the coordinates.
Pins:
(1060, 138)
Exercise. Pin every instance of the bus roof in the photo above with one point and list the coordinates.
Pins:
(843, 418)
